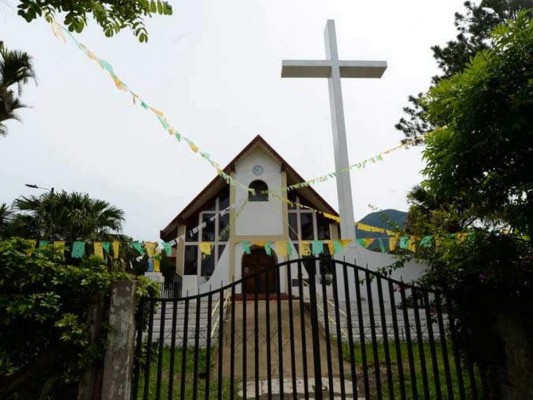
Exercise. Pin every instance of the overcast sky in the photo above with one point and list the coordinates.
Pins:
(214, 68)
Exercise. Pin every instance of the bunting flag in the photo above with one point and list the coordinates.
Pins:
(246, 246)
(304, 248)
(98, 249)
(168, 248)
(337, 247)
(107, 247)
(317, 247)
(116, 249)
(78, 249)
(43, 243)
(59, 30)
(426, 241)
(283, 248)
(205, 248)
(150, 248)
(157, 264)
(59, 245)
(268, 248)
(404, 242)
(138, 246)
(382, 245)
(392, 243)
(30, 251)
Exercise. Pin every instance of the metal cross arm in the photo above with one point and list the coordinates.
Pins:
(322, 68)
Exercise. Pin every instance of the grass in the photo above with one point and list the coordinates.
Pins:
(410, 377)
(187, 391)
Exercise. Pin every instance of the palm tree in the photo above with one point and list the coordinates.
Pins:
(16, 69)
(66, 216)
(5, 214)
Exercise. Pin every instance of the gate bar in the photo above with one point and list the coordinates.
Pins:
(350, 330)
(338, 332)
(291, 334)
(370, 306)
(149, 351)
(268, 355)
(362, 334)
(385, 337)
(397, 345)
(325, 306)
(161, 343)
(196, 348)
(412, 371)
(420, 341)
(184, 348)
(302, 327)
(429, 322)
(280, 337)
(207, 389)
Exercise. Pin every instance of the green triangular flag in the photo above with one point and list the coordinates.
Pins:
(426, 241)
(246, 246)
(382, 245)
(168, 248)
(317, 247)
(139, 247)
(78, 249)
(106, 246)
(337, 247)
(404, 242)
(268, 248)
(43, 243)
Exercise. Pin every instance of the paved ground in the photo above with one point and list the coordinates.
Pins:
(257, 356)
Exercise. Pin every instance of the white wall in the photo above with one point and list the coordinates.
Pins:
(220, 274)
(259, 218)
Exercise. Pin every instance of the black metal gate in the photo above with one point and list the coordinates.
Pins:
(330, 330)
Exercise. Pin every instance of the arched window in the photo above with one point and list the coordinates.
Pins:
(261, 191)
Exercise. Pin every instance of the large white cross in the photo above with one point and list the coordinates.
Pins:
(335, 69)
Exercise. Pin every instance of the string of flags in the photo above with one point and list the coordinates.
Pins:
(283, 248)
(78, 249)
(164, 121)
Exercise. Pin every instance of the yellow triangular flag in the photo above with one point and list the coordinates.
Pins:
(367, 242)
(205, 248)
(156, 265)
(150, 248)
(305, 248)
(393, 240)
(345, 242)
(331, 247)
(260, 243)
(98, 249)
(281, 248)
(59, 245)
(116, 249)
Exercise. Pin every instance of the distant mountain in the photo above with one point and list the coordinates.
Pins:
(385, 219)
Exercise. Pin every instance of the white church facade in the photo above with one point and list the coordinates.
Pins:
(212, 228)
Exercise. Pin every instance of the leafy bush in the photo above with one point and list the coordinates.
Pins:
(44, 341)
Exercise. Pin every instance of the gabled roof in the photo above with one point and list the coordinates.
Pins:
(218, 183)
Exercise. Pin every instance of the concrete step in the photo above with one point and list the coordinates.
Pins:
(288, 389)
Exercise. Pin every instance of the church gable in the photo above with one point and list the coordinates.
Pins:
(261, 213)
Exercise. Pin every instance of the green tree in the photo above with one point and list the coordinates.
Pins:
(111, 15)
(473, 35)
(16, 69)
(45, 343)
(65, 216)
(477, 203)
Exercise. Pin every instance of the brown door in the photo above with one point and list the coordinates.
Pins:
(254, 272)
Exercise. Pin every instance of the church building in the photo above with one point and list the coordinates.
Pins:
(211, 229)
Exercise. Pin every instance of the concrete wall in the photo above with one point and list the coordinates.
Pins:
(259, 218)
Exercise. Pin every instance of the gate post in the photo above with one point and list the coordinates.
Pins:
(118, 363)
